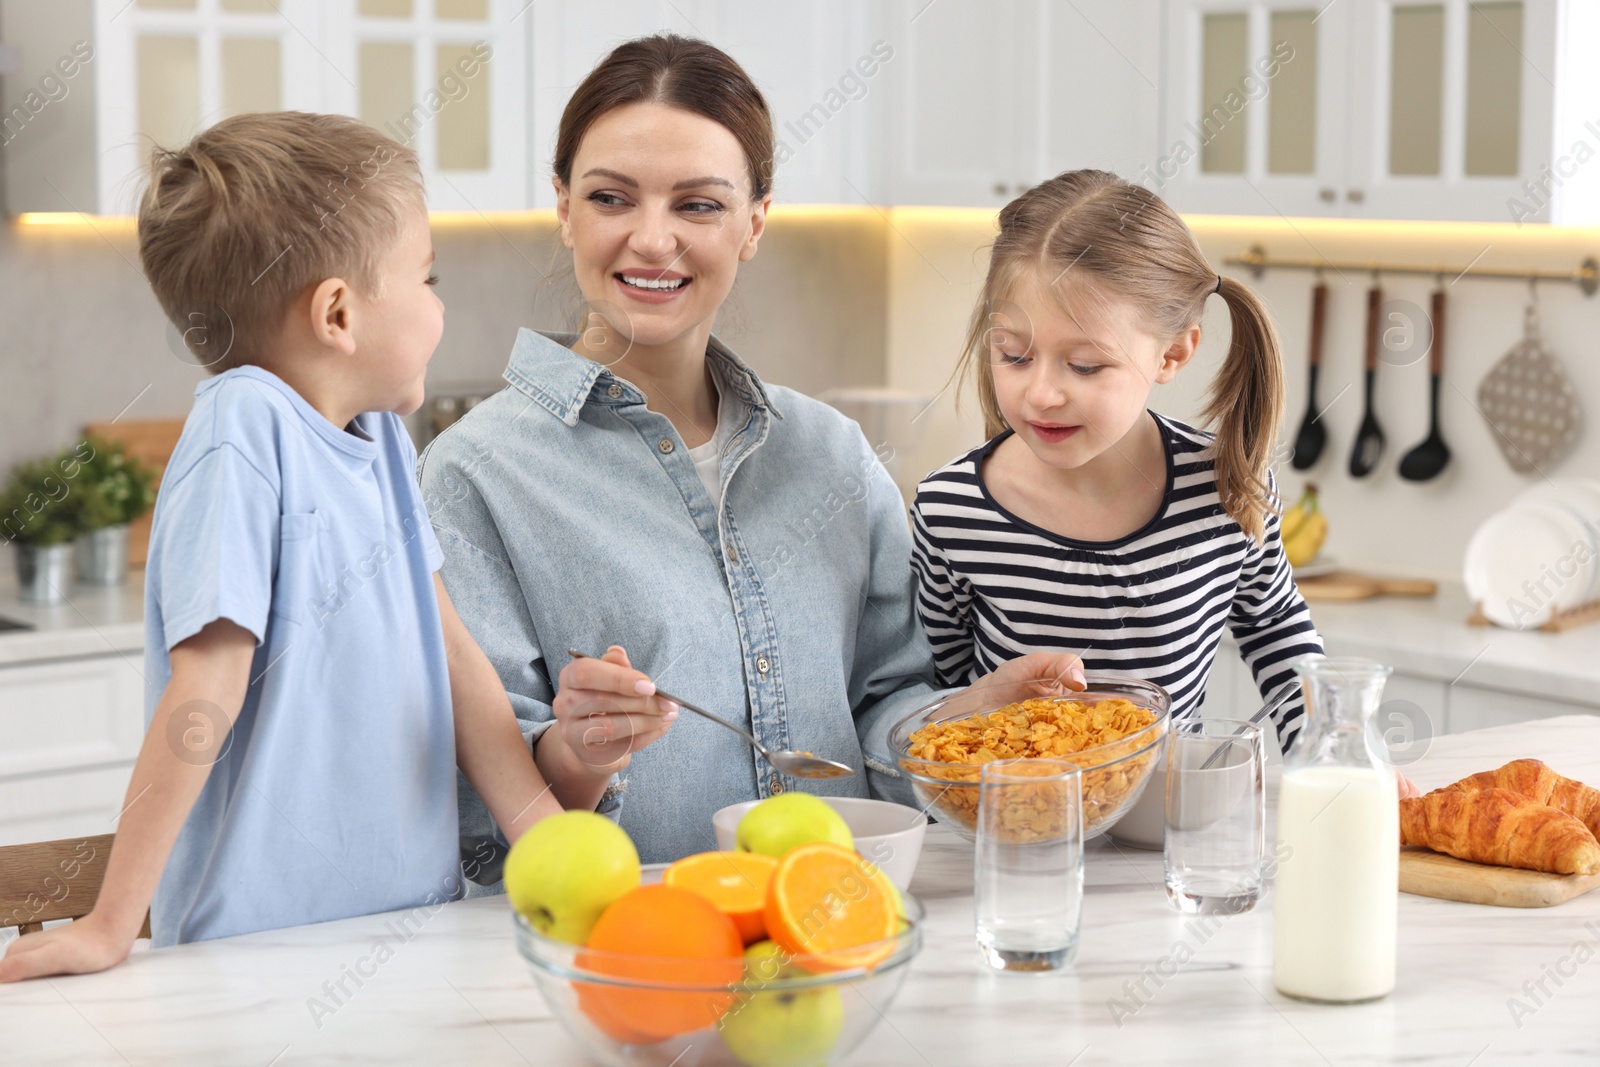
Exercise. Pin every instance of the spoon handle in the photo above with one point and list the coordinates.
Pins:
(1266, 709)
(702, 712)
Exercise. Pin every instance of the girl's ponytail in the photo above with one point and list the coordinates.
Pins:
(1245, 406)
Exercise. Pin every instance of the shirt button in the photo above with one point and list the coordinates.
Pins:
(762, 664)
(665, 446)
(614, 391)
(775, 785)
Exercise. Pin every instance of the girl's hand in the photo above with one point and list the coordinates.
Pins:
(1038, 674)
(1406, 786)
(80, 947)
(605, 710)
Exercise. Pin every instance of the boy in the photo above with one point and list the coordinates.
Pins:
(312, 689)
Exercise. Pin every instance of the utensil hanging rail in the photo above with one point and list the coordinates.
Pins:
(1255, 258)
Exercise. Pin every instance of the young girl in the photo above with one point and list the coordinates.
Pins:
(1087, 522)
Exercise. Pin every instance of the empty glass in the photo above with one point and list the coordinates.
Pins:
(1028, 867)
(1216, 816)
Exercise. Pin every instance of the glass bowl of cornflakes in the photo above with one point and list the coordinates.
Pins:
(1112, 730)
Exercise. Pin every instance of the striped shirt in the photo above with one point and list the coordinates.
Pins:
(992, 586)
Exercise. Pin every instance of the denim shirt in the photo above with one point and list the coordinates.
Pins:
(571, 515)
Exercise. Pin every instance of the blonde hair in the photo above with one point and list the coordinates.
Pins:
(1123, 241)
(238, 222)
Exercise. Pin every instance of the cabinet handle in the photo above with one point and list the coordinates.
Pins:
(1355, 196)
(1327, 196)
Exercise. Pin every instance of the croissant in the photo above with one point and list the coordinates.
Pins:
(1531, 778)
(1499, 827)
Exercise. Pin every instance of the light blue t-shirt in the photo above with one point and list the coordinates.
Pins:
(335, 794)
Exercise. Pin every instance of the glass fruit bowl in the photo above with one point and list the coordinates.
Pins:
(1114, 774)
(652, 1011)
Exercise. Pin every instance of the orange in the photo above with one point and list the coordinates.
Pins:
(832, 908)
(736, 882)
(668, 937)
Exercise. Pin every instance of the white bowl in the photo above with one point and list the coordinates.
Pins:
(888, 834)
(1144, 825)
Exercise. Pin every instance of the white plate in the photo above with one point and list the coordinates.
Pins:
(1516, 549)
(1317, 566)
(1581, 497)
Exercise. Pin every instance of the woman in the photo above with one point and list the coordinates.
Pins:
(638, 486)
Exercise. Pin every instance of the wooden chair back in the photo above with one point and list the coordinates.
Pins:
(47, 880)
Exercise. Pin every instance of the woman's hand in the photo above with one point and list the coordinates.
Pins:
(1038, 674)
(605, 711)
(81, 947)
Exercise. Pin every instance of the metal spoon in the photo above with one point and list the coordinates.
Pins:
(1369, 440)
(1266, 709)
(795, 764)
(1309, 442)
(1426, 460)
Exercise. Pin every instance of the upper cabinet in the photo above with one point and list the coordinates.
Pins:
(1370, 108)
(989, 99)
(1419, 109)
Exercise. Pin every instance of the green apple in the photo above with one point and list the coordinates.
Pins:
(779, 823)
(784, 1028)
(766, 961)
(566, 869)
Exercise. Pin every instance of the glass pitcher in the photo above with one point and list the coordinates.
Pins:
(1337, 890)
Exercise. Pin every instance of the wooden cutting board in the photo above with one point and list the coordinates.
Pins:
(1349, 585)
(1426, 873)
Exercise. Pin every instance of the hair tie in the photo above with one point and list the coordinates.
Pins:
(1218, 289)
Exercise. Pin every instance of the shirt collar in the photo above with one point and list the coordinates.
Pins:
(544, 366)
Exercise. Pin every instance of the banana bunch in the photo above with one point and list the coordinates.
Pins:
(1303, 529)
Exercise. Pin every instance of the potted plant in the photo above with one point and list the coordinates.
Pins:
(37, 519)
(112, 489)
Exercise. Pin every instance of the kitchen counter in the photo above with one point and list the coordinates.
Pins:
(95, 620)
(457, 992)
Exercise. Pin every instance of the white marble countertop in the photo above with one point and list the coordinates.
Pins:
(459, 993)
(94, 621)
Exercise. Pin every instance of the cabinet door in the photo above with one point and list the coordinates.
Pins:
(1452, 109)
(447, 78)
(1097, 72)
(167, 69)
(1472, 708)
(822, 68)
(1255, 107)
(568, 41)
(957, 108)
(70, 714)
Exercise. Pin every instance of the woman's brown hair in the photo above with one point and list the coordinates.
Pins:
(1126, 243)
(679, 72)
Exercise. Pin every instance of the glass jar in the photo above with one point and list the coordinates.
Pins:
(1336, 898)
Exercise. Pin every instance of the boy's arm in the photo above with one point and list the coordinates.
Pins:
(490, 749)
(212, 668)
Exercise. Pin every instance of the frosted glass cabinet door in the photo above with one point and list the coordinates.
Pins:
(448, 78)
(1255, 108)
(166, 69)
(1452, 109)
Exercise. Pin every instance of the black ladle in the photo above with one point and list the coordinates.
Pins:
(1309, 442)
(1426, 460)
(1369, 439)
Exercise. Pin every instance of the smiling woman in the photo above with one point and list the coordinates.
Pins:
(649, 493)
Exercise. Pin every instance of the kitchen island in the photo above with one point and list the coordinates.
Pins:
(1477, 985)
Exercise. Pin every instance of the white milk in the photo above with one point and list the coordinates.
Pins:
(1337, 892)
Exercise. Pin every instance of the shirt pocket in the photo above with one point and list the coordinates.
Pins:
(304, 590)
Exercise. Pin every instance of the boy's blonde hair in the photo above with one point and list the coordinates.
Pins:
(1121, 241)
(241, 220)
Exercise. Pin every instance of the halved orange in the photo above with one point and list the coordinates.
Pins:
(736, 882)
(832, 908)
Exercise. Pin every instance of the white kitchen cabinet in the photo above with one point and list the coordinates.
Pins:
(448, 77)
(819, 66)
(1377, 109)
(1474, 708)
(989, 99)
(72, 730)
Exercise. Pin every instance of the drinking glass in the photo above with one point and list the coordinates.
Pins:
(1216, 816)
(1028, 866)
